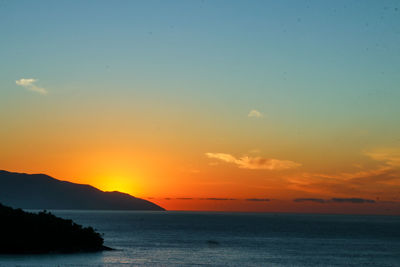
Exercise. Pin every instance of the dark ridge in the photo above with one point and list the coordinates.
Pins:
(30, 233)
(40, 191)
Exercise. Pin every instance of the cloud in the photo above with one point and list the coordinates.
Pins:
(379, 178)
(255, 113)
(390, 156)
(217, 198)
(30, 85)
(258, 199)
(318, 200)
(184, 198)
(352, 200)
(336, 200)
(255, 163)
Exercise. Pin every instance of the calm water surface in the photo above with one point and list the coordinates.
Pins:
(231, 239)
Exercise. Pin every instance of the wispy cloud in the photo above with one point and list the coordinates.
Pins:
(217, 198)
(255, 163)
(255, 113)
(258, 199)
(336, 200)
(382, 180)
(390, 156)
(30, 85)
(352, 200)
(318, 200)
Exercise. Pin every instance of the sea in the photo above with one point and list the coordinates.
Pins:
(172, 238)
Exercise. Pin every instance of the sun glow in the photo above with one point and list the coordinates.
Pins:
(119, 182)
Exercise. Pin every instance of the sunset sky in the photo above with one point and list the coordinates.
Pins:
(207, 105)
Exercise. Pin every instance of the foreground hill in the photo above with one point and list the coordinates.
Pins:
(39, 191)
(24, 232)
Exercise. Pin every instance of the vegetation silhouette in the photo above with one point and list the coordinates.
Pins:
(31, 233)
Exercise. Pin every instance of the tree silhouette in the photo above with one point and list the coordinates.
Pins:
(25, 232)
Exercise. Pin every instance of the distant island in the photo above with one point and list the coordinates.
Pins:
(28, 233)
(40, 191)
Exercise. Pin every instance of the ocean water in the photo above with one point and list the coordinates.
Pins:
(230, 239)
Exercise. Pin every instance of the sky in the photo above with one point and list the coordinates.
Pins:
(283, 106)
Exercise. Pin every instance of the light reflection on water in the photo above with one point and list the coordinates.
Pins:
(200, 238)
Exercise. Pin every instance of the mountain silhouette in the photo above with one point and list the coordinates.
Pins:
(40, 191)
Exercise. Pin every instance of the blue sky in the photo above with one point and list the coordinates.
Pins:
(324, 75)
(254, 50)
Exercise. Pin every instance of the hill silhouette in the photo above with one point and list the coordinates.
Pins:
(39, 191)
(24, 232)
